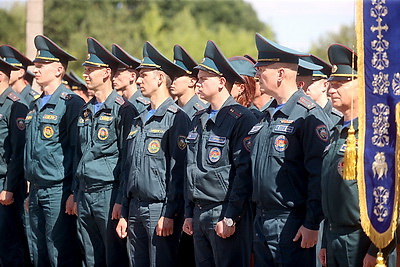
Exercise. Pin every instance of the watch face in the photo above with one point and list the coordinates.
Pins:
(229, 222)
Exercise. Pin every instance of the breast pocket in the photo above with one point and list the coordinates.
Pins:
(105, 132)
(154, 145)
(217, 150)
(49, 127)
(282, 140)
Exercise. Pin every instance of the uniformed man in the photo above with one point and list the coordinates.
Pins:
(318, 89)
(18, 80)
(218, 184)
(287, 147)
(261, 99)
(154, 169)
(124, 80)
(184, 83)
(13, 242)
(305, 73)
(103, 125)
(51, 133)
(78, 86)
(345, 243)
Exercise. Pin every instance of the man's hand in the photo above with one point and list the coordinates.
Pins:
(308, 237)
(116, 212)
(121, 228)
(188, 226)
(165, 226)
(369, 261)
(6, 197)
(69, 205)
(322, 256)
(223, 230)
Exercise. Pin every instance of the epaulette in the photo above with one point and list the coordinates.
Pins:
(13, 96)
(198, 106)
(307, 103)
(65, 96)
(35, 94)
(173, 109)
(119, 100)
(234, 112)
(143, 100)
(336, 112)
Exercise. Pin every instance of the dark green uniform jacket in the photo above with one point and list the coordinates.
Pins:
(102, 135)
(139, 101)
(193, 106)
(51, 136)
(13, 111)
(156, 155)
(218, 163)
(287, 158)
(29, 95)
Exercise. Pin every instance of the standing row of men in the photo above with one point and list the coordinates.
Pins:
(146, 167)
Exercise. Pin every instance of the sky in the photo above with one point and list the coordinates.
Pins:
(299, 23)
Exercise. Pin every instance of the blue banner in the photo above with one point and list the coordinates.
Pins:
(378, 46)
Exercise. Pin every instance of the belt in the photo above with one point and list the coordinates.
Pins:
(94, 188)
(206, 204)
(343, 229)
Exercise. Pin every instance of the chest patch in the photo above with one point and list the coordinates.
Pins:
(215, 154)
(192, 136)
(102, 134)
(154, 146)
(284, 128)
(217, 139)
(281, 143)
(48, 132)
(255, 129)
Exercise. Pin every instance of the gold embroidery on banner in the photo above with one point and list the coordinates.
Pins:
(381, 83)
(380, 125)
(381, 195)
(380, 59)
(380, 166)
(396, 84)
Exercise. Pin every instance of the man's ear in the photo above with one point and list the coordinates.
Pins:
(300, 84)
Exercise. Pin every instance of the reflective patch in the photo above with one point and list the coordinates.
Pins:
(256, 128)
(102, 134)
(154, 146)
(192, 136)
(281, 143)
(217, 139)
(105, 118)
(340, 167)
(182, 142)
(215, 154)
(48, 131)
(21, 123)
(157, 131)
(132, 132)
(247, 143)
(322, 133)
(81, 120)
(286, 121)
(50, 117)
(284, 128)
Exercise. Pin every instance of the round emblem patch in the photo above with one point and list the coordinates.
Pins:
(340, 167)
(21, 123)
(154, 146)
(102, 134)
(181, 142)
(215, 154)
(48, 131)
(281, 143)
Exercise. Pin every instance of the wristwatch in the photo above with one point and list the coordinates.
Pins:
(229, 222)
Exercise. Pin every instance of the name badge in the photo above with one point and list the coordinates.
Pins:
(256, 129)
(217, 139)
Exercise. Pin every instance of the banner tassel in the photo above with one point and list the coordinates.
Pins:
(350, 156)
(380, 261)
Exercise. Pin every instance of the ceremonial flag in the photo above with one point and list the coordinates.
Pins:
(378, 47)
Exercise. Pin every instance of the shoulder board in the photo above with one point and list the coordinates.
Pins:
(336, 112)
(234, 112)
(13, 96)
(143, 100)
(119, 100)
(306, 103)
(198, 106)
(34, 93)
(65, 96)
(173, 109)
(200, 112)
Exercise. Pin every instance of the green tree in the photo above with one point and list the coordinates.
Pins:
(12, 26)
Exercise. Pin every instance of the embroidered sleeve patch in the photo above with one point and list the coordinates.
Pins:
(322, 132)
(21, 123)
(247, 143)
(181, 142)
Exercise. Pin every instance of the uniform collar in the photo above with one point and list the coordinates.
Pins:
(161, 110)
(219, 117)
(192, 104)
(4, 95)
(27, 89)
(137, 94)
(108, 104)
(57, 94)
(292, 101)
